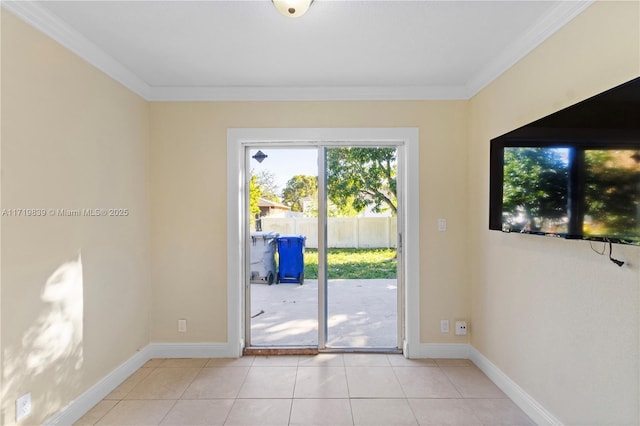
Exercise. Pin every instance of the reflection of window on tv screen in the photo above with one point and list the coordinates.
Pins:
(534, 197)
(574, 173)
(592, 193)
(612, 193)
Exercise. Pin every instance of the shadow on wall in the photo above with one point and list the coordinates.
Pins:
(51, 349)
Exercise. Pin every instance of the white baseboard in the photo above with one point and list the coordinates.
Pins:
(96, 393)
(192, 350)
(87, 400)
(439, 350)
(522, 399)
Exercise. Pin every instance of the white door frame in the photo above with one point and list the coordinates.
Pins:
(239, 139)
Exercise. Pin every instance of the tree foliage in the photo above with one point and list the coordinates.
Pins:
(535, 184)
(255, 192)
(612, 192)
(266, 180)
(297, 188)
(605, 190)
(358, 177)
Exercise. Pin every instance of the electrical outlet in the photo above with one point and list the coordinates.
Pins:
(444, 326)
(461, 328)
(442, 225)
(23, 406)
(182, 325)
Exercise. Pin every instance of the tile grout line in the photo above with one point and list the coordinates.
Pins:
(107, 412)
(444, 373)
(462, 397)
(119, 400)
(235, 399)
(346, 379)
(406, 398)
(293, 392)
(183, 392)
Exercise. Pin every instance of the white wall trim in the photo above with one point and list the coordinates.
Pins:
(439, 350)
(522, 399)
(49, 24)
(555, 19)
(192, 350)
(44, 21)
(238, 139)
(342, 93)
(96, 393)
(88, 399)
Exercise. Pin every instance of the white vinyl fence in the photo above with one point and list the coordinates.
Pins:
(342, 232)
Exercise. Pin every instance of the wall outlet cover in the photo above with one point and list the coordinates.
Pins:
(461, 328)
(23, 406)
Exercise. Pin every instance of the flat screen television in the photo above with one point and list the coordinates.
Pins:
(573, 174)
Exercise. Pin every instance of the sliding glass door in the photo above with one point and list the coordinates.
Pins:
(322, 246)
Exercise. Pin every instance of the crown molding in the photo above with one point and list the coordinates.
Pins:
(334, 93)
(555, 19)
(49, 24)
(44, 21)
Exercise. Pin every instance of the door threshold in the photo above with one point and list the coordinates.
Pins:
(275, 351)
(372, 350)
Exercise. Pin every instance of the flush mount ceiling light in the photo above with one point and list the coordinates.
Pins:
(292, 8)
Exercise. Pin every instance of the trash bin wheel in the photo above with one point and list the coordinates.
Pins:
(270, 278)
(301, 278)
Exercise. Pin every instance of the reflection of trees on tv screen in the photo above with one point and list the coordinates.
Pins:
(573, 174)
(544, 186)
(612, 192)
(535, 189)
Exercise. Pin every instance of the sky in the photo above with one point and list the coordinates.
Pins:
(285, 163)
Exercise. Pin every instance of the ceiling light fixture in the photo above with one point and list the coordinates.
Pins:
(292, 8)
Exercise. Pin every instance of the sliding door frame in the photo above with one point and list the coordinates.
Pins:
(404, 139)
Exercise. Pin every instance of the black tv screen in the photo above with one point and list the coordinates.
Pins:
(573, 174)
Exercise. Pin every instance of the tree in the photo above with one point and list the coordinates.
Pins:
(254, 194)
(266, 180)
(297, 188)
(361, 177)
(611, 192)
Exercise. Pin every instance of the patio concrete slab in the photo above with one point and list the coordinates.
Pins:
(361, 314)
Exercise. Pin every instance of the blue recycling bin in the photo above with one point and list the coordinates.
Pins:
(291, 259)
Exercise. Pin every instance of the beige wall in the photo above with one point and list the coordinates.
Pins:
(562, 322)
(188, 163)
(558, 319)
(75, 290)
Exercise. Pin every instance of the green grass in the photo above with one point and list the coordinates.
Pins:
(353, 263)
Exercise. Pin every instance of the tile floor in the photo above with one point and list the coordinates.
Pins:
(326, 389)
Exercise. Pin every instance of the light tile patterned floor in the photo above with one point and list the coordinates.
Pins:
(326, 389)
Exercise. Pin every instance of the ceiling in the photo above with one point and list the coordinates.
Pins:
(339, 50)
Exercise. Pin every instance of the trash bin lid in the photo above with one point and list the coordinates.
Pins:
(291, 237)
(265, 237)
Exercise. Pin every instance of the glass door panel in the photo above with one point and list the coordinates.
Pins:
(361, 257)
(282, 296)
